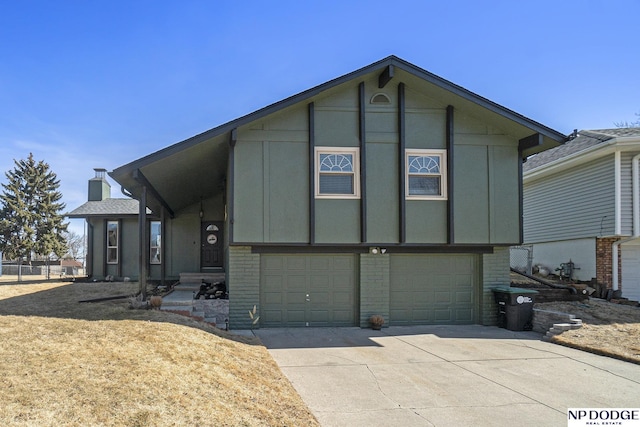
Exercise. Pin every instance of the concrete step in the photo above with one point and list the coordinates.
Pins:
(191, 287)
(576, 323)
(561, 327)
(192, 278)
(179, 297)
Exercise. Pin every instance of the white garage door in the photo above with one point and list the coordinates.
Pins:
(631, 272)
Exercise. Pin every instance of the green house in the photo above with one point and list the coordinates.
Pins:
(387, 191)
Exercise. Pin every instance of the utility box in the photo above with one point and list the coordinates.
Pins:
(515, 307)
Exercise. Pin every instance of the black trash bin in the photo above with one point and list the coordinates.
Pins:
(515, 307)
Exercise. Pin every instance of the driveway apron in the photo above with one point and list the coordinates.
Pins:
(445, 376)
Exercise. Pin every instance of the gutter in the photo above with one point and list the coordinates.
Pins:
(635, 185)
(571, 160)
(605, 148)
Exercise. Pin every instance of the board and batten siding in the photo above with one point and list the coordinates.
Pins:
(574, 203)
(271, 173)
(336, 117)
(486, 195)
(271, 179)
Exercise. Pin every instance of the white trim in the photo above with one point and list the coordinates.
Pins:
(117, 246)
(443, 173)
(158, 245)
(614, 260)
(635, 187)
(355, 152)
(617, 192)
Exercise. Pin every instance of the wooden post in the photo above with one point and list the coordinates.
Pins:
(142, 234)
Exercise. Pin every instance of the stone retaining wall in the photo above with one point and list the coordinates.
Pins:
(543, 320)
(212, 311)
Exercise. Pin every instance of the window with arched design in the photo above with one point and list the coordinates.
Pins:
(337, 173)
(426, 174)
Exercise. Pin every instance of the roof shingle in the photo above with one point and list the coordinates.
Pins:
(586, 139)
(106, 207)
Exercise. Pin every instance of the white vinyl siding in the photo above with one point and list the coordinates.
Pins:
(574, 203)
(626, 192)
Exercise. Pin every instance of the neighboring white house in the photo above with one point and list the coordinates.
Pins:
(582, 204)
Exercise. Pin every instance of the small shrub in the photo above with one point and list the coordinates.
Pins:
(155, 302)
(253, 315)
(136, 302)
(376, 321)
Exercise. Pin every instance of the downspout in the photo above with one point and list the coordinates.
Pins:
(635, 188)
(635, 168)
(617, 193)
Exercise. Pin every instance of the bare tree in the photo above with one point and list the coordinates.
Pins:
(75, 245)
(626, 124)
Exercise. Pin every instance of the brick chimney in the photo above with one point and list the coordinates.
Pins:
(99, 188)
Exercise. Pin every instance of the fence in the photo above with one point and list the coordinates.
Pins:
(521, 258)
(39, 270)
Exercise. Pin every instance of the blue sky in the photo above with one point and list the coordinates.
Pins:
(87, 84)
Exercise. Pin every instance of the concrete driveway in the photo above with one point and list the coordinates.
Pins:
(446, 376)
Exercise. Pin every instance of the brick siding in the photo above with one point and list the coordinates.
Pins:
(374, 287)
(604, 262)
(495, 272)
(244, 286)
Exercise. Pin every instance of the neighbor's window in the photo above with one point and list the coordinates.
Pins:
(112, 242)
(155, 244)
(426, 174)
(337, 173)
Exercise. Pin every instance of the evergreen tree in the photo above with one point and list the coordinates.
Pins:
(30, 218)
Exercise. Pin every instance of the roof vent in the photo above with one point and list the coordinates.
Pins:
(380, 99)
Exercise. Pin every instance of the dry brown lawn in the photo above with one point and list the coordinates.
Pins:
(73, 364)
(609, 328)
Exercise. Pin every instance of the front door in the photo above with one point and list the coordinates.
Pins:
(211, 240)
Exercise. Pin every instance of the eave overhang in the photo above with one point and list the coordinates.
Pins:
(173, 171)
